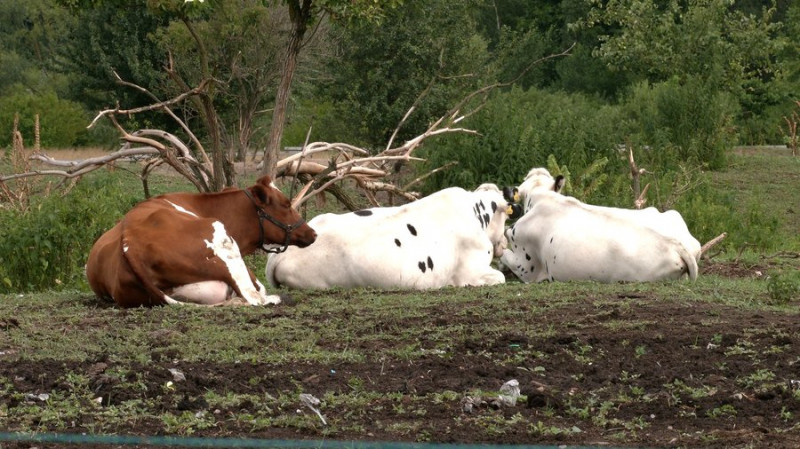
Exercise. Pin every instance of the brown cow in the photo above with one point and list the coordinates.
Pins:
(187, 248)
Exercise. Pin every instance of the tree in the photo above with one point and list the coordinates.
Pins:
(303, 14)
(706, 39)
(425, 54)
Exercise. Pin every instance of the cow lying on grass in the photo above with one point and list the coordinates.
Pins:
(187, 248)
(560, 238)
(448, 238)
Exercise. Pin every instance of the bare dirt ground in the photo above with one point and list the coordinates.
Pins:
(691, 384)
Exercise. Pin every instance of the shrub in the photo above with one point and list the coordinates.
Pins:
(62, 122)
(784, 286)
(519, 130)
(45, 248)
(680, 121)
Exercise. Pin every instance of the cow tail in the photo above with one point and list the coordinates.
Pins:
(689, 260)
(138, 269)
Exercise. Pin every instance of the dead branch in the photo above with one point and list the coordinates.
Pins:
(369, 172)
(710, 244)
(641, 200)
(638, 195)
(427, 175)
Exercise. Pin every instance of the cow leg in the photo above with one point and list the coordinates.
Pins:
(226, 249)
(490, 277)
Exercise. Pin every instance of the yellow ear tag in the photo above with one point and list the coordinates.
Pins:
(509, 210)
(516, 197)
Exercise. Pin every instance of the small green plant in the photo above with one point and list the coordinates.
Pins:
(784, 286)
(726, 410)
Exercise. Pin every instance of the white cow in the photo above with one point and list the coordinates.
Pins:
(562, 239)
(448, 238)
(669, 223)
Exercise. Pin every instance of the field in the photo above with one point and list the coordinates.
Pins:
(715, 363)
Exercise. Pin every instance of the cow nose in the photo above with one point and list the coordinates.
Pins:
(307, 238)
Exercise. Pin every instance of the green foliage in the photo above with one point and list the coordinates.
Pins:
(519, 130)
(62, 122)
(784, 285)
(46, 247)
(708, 213)
(384, 69)
(745, 52)
(680, 121)
(97, 49)
(585, 185)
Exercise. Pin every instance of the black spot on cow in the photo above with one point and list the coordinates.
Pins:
(397, 242)
(363, 212)
(430, 263)
(422, 266)
(551, 239)
(482, 206)
(494, 207)
(412, 229)
(527, 256)
(533, 268)
(486, 219)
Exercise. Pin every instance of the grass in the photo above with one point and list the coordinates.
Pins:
(770, 181)
(361, 320)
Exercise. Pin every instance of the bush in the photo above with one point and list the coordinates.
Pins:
(62, 123)
(519, 130)
(680, 121)
(784, 286)
(46, 247)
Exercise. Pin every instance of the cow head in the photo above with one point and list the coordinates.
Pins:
(492, 210)
(537, 179)
(281, 225)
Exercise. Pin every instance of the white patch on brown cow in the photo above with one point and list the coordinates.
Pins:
(181, 209)
(226, 249)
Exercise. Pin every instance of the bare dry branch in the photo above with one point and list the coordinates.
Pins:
(427, 175)
(642, 199)
(710, 244)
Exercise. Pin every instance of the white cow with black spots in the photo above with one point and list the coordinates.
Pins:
(448, 238)
(560, 238)
(669, 223)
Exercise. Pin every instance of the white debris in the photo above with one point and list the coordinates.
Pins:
(41, 397)
(177, 375)
(312, 403)
(509, 393)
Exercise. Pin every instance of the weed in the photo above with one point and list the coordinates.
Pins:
(784, 285)
(723, 411)
(757, 379)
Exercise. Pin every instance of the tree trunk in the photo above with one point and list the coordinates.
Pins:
(300, 14)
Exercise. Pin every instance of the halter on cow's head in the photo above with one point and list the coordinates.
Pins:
(273, 206)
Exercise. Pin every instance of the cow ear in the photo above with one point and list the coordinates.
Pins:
(264, 181)
(511, 194)
(260, 192)
(559, 184)
(514, 211)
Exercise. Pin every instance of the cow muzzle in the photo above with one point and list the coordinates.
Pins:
(306, 238)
